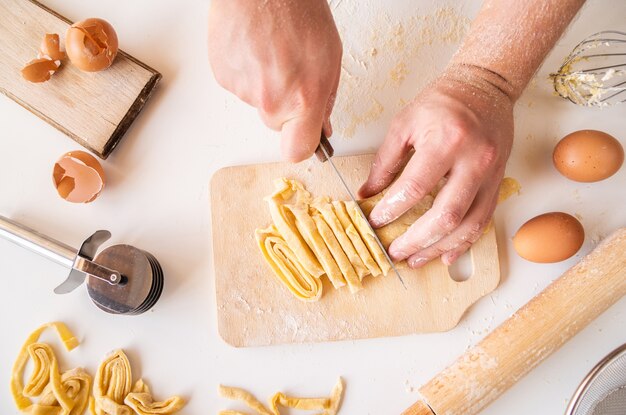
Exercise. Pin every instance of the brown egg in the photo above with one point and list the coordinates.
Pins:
(78, 177)
(91, 44)
(588, 156)
(551, 237)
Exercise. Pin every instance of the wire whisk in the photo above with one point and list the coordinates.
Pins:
(594, 73)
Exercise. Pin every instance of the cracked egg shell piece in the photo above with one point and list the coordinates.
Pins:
(78, 177)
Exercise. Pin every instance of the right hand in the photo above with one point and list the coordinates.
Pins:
(283, 58)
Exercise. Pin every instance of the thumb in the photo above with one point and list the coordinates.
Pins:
(300, 137)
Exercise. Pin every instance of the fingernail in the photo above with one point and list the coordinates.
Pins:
(378, 220)
(417, 262)
(397, 254)
(375, 221)
(362, 192)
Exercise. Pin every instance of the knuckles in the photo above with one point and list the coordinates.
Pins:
(488, 158)
(449, 220)
(413, 189)
(475, 231)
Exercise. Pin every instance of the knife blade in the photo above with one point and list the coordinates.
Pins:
(324, 152)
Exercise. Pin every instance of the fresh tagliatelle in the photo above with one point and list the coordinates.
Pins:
(58, 394)
(315, 237)
(311, 237)
(328, 406)
(114, 393)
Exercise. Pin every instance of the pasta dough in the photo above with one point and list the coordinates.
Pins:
(285, 223)
(324, 206)
(311, 238)
(114, 395)
(58, 394)
(286, 266)
(68, 393)
(328, 406)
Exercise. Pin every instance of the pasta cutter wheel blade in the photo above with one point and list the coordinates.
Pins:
(603, 391)
(141, 286)
(121, 279)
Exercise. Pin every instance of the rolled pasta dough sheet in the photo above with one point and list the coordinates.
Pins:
(286, 266)
(286, 223)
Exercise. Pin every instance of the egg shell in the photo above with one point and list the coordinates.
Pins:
(51, 47)
(78, 177)
(91, 44)
(588, 156)
(551, 237)
(39, 70)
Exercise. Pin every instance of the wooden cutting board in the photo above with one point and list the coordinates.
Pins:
(254, 309)
(95, 109)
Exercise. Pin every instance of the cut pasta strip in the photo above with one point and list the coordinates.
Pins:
(114, 393)
(143, 404)
(328, 406)
(355, 237)
(309, 231)
(46, 369)
(338, 254)
(324, 206)
(368, 236)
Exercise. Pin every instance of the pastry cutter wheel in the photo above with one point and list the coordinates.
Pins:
(121, 279)
(325, 152)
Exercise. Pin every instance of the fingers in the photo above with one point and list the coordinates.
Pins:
(472, 227)
(451, 256)
(388, 161)
(448, 212)
(300, 137)
(419, 177)
(327, 127)
(330, 104)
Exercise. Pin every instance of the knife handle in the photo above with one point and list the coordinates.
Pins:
(319, 153)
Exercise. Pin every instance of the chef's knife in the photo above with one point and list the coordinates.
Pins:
(324, 152)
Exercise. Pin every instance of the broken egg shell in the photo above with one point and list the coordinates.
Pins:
(78, 177)
(51, 47)
(40, 69)
(91, 44)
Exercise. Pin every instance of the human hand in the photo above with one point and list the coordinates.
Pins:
(461, 128)
(282, 57)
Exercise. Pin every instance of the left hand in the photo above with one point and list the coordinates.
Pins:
(461, 128)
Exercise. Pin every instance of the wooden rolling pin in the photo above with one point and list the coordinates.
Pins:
(532, 334)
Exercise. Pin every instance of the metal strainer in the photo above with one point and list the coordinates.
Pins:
(603, 391)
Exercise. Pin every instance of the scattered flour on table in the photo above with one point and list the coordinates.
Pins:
(386, 60)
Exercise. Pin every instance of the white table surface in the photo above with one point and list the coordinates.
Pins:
(157, 198)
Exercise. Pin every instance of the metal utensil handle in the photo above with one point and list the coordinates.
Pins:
(38, 243)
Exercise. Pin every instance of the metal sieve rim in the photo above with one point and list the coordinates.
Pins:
(593, 374)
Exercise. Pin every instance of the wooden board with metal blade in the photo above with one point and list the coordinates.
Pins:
(254, 309)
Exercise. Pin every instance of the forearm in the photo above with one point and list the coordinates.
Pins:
(509, 39)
